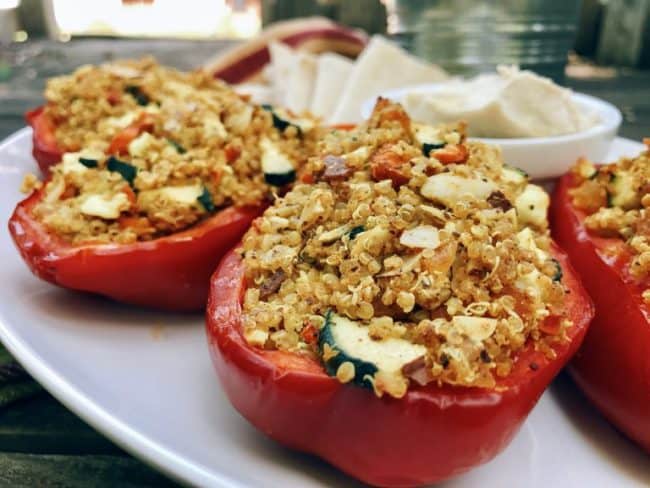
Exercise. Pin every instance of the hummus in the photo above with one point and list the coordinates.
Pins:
(508, 104)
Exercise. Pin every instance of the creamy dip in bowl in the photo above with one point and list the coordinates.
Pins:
(540, 127)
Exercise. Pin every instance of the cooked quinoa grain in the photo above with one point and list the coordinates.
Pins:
(616, 199)
(149, 151)
(429, 252)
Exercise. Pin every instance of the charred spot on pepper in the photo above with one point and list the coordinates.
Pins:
(533, 366)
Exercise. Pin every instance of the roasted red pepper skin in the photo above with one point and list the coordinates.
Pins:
(169, 273)
(613, 365)
(431, 434)
(45, 148)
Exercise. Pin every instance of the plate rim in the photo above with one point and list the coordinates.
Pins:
(137, 444)
(175, 466)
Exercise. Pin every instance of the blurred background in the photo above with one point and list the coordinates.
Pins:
(463, 36)
(601, 47)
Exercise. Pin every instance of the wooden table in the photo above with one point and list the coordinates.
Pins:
(41, 442)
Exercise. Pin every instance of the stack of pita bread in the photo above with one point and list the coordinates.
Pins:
(334, 87)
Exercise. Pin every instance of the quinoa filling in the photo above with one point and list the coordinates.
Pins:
(413, 257)
(616, 199)
(150, 151)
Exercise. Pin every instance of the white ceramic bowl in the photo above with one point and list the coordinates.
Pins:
(542, 157)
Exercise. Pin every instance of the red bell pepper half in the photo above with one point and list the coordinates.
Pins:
(613, 365)
(429, 435)
(170, 273)
(45, 149)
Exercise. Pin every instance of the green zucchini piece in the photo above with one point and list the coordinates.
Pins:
(532, 205)
(428, 147)
(278, 122)
(352, 343)
(355, 231)
(622, 192)
(136, 92)
(88, 162)
(205, 199)
(277, 167)
(128, 171)
(428, 137)
(277, 179)
(330, 336)
(282, 120)
(516, 176)
(180, 149)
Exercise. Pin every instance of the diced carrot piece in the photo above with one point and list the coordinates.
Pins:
(309, 334)
(120, 143)
(386, 164)
(451, 154)
(232, 153)
(114, 96)
(217, 174)
(130, 194)
(307, 178)
(136, 223)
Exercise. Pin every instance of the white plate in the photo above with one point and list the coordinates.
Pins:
(540, 157)
(145, 380)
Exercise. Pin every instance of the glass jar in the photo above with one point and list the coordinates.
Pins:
(474, 36)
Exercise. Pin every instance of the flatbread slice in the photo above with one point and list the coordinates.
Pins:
(292, 74)
(381, 66)
(332, 73)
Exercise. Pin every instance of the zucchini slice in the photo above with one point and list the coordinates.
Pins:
(88, 162)
(205, 199)
(128, 171)
(428, 137)
(448, 189)
(105, 208)
(355, 231)
(78, 162)
(136, 92)
(282, 120)
(515, 176)
(532, 206)
(622, 192)
(349, 341)
(179, 148)
(277, 167)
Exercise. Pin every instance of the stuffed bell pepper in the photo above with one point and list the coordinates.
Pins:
(401, 315)
(601, 217)
(159, 174)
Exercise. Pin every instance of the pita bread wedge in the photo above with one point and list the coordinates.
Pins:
(381, 66)
(258, 92)
(292, 74)
(332, 74)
